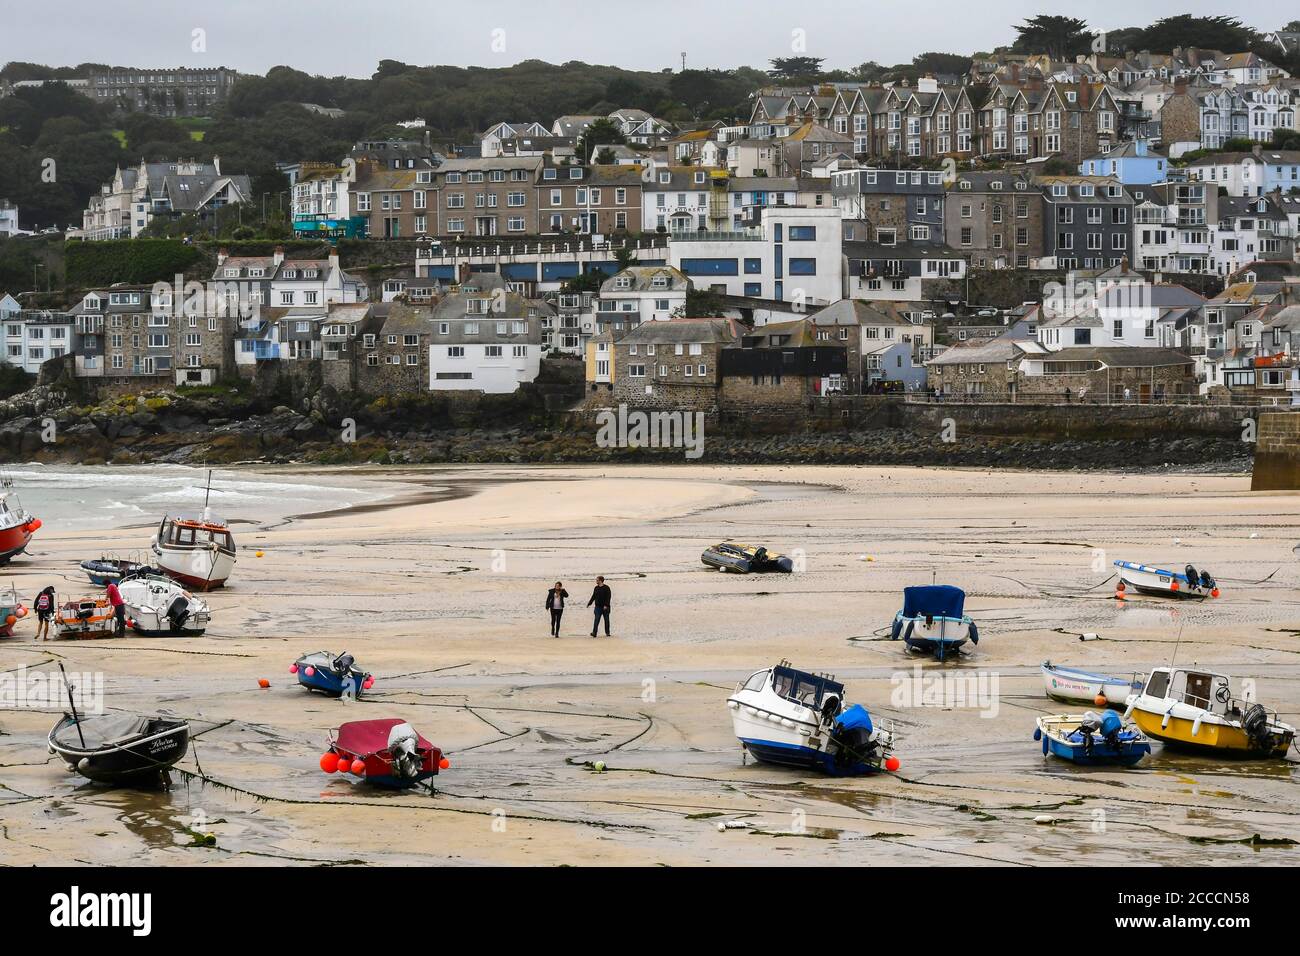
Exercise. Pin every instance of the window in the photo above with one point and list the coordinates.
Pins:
(804, 233)
(455, 351)
(493, 351)
(636, 371)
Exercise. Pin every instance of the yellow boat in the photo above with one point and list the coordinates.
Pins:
(1190, 708)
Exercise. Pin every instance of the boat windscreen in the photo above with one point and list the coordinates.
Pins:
(937, 600)
(807, 689)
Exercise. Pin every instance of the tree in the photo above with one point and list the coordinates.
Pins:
(792, 67)
(1185, 30)
(1061, 38)
(700, 304)
(602, 132)
(625, 256)
(605, 156)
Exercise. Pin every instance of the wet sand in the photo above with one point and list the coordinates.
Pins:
(440, 594)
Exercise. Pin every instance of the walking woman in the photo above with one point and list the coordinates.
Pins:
(555, 604)
(44, 611)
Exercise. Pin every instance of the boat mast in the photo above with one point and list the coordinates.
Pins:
(207, 512)
(75, 719)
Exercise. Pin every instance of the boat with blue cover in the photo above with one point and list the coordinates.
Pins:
(330, 674)
(110, 570)
(1092, 740)
(793, 718)
(932, 620)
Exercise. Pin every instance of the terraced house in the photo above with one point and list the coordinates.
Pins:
(1087, 221)
(487, 197)
(588, 200)
(996, 219)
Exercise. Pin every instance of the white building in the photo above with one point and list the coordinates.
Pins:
(33, 338)
(641, 294)
(793, 256)
(8, 219)
(485, 338)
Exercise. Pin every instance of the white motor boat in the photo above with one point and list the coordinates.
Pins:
(1076, 686)
(157, 606)
(198, 552)
(1148, 579)
(795, 719)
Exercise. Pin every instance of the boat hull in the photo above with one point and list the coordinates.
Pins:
(14, 541)
(1057, 736)
(129, 762)
(1080, 687)
(939, 636)
(198, 569)
(785, 742)
(105, 571)
(1211, 738)
(1159, 581)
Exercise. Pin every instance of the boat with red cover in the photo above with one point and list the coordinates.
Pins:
(16, 525)
(387, 752)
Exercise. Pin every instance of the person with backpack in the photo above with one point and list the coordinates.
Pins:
(44, 605)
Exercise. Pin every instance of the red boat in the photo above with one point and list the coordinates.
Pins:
(16, 525)
(387, 752)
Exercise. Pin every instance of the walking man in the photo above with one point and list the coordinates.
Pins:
(600, 598)
(119, 607)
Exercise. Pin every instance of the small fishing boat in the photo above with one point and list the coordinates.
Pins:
(199, 552)
(118, 749)
(321, 670)
(12, 611)
(792, 718)
(156, 606)
(16, 525)
(387, 752)
(1194, 709)
(105, 571)
(1189, 583)
(932, 621)
(85, 618)
(1074, 686)
(745, 558)
(1091, 740)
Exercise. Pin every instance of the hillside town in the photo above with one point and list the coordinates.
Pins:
(1107, 228)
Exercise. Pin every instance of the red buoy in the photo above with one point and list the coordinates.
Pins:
(293, 668)
(263, 683)
(359, 767)
(329, 761)
(310, 671)
(444, 763)
(892, 763)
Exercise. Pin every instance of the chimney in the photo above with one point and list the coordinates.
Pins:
(216, 164)
(1180, 85)
(279, 255)
(334, 258)
(222, 255)
(1085, 95)
(1015, 74)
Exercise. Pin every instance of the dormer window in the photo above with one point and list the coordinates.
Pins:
(291, 273)
(665, 177)
(310, 274)
(548, 173)
(256, 273)
(231, 273)
(93, 303)
(575, 172)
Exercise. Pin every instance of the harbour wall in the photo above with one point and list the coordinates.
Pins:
(1277, 453)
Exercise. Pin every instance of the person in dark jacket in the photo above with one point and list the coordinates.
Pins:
(555, 604)
(600, 598)
(44, 613)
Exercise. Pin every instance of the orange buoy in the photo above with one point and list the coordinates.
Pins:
(1173, 585)
(34, 524)
(892, 763)
(1214, 593)
(358, 767)
(329, 761)
(1119, 595)
(1100, 700)
(444, 763)
(1120, 586)
(264, 683)
(11, 620)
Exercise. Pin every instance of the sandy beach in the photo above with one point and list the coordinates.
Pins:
(438, 591)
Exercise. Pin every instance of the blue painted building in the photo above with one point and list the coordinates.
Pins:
(1133, 164)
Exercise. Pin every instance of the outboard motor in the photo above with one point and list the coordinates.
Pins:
(1111, 725)
(343, 663)
(403, 744)
(830, 708)
(178, 612)
(1089, 724)
(1193, 578)
(1255, 724)
(1207, 582)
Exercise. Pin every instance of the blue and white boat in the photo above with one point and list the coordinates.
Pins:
(1074, 686)
(322, 671)
(792, 718)
(932, 620)
(1188, 583)
(1092, 740)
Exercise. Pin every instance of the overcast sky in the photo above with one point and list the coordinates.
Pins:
(333, 37)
